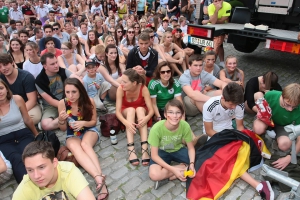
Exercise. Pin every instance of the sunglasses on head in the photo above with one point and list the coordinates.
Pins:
(165, 72)
(130, 32)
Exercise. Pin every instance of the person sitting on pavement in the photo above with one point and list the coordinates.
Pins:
(163, 87)
(82, 133)
(217, 116)
(47, 177)
(129, 42)
(17, 128)
(134, 109)
(49, 84)
(50, 47)
(210, 66)
(165, 139)
(194, 82)
(95, 85)
(143, 58)
(285, 111)
(21, 82)
(231, 72)
(48, 31)
(268, 81)
(33, 64)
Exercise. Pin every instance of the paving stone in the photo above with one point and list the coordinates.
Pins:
(116, 184)
(163, 189)
(107, 162)
(104, 153)
(167, 196)
(249, 194)
(119, 173)
(177, 189)
(145, 186)
(133, 195)
(116, 165)
(6, 192)
(242, 184)
(234, 194)
(131, 184)
(116, 195)
(147, 196)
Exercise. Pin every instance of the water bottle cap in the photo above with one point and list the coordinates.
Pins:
(112, 131)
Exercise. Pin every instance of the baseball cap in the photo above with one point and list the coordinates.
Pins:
(90, 62)
(165, 19)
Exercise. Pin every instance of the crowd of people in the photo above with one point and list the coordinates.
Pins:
(60, 60)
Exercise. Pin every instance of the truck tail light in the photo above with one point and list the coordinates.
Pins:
(285, 46)
(200, 32)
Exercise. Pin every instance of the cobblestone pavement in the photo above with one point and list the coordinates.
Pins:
(127, 182)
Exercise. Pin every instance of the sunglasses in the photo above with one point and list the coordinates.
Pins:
(217, 0)
(136, 27)
(130, 32)
(55, 29)
(151, 36)
(165, 72)
(119, 31)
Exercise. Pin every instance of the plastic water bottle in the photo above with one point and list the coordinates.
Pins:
(113, 137)
(70, 121)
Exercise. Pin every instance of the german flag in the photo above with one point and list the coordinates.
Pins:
(224, 157)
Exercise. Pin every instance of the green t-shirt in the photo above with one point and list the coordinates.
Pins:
(280, 115)
(4, 14)
(162, 93)
(167, 140)
(70, 183)
(225, 11)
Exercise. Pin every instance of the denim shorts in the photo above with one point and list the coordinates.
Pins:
(180, 156)
(94, 129)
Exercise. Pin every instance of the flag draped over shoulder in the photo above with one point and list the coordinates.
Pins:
(224, 157)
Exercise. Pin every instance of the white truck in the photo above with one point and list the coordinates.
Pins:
(281, 16)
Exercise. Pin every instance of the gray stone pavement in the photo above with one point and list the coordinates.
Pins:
(127, 182)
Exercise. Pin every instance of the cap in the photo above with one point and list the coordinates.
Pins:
(90, 62)
(165, 19)
(148, 25)
(175, 19)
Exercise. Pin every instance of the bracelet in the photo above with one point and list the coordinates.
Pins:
(59, 122)
(192, 163)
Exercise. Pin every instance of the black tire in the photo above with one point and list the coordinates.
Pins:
(249, 47)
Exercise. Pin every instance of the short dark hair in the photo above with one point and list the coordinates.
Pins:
(69, 14)
(45, 56)
(24, 32)
(83, 23)
(18, 22)
(174, 103)
(36, 30)
(38, 22)
(195, 57)
(39, 147)
(210, 53)
(12, 22)
(48, 39)
(234, 93)
(52, 11)
(47, 26)
(56, 24)
(5, 58)
(144, 36)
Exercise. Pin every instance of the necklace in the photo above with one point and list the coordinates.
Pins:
(69, 112)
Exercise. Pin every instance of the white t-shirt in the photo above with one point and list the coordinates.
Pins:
(85, 37)
(64, 11)
(184, 29)
(43, 12)
(33, 68)
(221, 118)
(16, 15)
(8, 165)
(96, 10)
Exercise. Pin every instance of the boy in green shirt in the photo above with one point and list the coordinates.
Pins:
(165, 139)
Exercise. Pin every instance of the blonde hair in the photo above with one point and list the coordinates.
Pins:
(292, 93)
(109, 36)
(99, 49)
(164, 36)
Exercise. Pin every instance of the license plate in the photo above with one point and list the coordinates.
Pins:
(201, 42)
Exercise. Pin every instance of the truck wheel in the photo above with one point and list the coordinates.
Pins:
(250, 45)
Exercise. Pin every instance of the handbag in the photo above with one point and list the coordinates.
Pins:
(64, 154)
(108, 122)
(49, 136)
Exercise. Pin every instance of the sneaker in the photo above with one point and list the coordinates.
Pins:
(266, 192)
(271, 133)
(158, 184)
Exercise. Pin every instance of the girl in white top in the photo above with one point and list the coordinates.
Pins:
(70, 60)
(129, 42)
(33, 64)
(168, 47)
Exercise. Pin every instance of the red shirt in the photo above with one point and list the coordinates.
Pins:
(57, 52)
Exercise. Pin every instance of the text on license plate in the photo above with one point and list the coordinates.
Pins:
(201, 42)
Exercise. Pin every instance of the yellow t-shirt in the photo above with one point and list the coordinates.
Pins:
(225, 11)
(70, 183)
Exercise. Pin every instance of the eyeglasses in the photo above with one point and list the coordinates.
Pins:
(151, 36)
(174, 113)
(136, 27)
(119, 31)
(55, 29)
(65, 49)
(217, 0)
(165, 72)
(286, 105)
(130, 32)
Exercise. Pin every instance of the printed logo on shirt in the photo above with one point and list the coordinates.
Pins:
(171, 91)
(159, 92)
(56, 195)
(231, 113)
(196, 85)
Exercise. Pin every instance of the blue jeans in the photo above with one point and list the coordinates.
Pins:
(180, 156)
(12, 146)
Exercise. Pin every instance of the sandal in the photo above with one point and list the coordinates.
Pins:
(99, 190)
(137, 161)
(145, 162)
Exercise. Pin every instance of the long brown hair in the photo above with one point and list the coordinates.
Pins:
(92, 43)
(270, 80)
(84, 102)
(78, 46)
(133, 76)
(9, 93)
(157, 73)
(117, 62)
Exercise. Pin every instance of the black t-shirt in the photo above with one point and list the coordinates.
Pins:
(57, 43)
(24, 83)
(173, 3)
